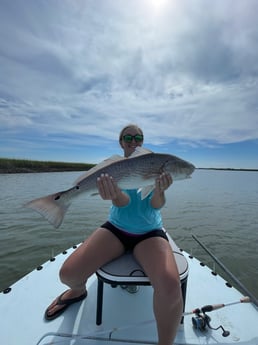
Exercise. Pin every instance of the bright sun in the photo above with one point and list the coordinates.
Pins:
(157, 4)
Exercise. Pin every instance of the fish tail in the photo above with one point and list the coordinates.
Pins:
(52, 207)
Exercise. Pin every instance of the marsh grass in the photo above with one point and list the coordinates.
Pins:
(8, 166)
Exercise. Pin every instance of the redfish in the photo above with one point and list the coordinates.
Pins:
(138, 171)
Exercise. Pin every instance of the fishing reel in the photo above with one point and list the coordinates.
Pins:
(201, 321)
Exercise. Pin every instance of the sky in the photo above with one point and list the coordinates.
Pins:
(73, 73)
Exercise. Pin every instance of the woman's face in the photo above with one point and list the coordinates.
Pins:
(132, 137)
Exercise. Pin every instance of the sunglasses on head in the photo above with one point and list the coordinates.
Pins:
(128, 138)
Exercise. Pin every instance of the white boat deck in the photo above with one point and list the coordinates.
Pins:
(127, 318)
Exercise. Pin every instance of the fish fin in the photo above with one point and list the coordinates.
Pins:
(106, 162)
(52, 207)
(139, 151)
(145, 191)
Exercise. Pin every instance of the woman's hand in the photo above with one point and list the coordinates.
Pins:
(163, 182)
(109, 190)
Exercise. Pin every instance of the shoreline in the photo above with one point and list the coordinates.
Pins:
(228, 169)
(22, 166)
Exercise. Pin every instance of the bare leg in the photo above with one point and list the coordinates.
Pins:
(102, 246)
(156, 257)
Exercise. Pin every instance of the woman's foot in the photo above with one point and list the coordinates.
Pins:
(61, 303)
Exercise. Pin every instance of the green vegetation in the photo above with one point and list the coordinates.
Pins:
(8, 166)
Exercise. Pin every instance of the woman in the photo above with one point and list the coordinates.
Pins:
(133, 224)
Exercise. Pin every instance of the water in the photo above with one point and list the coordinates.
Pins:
(220, 207)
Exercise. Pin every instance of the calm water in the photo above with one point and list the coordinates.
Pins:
(220, 207)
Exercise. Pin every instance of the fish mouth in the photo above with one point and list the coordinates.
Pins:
(187, 171)
(190, 170)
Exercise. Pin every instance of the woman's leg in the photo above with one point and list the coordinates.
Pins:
(157, 259)
(101, 247)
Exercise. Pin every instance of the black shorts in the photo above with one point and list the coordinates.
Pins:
(128, 240)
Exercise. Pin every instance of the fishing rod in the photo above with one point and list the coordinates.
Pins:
(201, 320)
(224, 268)
(211, 307)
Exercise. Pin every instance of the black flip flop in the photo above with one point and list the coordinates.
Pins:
(65, 303)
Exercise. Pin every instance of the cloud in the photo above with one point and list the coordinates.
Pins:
(185, 71)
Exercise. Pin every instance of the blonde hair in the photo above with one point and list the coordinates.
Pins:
(129, 126)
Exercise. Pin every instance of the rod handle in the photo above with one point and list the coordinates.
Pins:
(210, 307)
(245, 299)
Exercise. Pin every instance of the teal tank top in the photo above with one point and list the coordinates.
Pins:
(138, 216)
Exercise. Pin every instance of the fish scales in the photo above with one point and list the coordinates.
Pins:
(124, 172)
